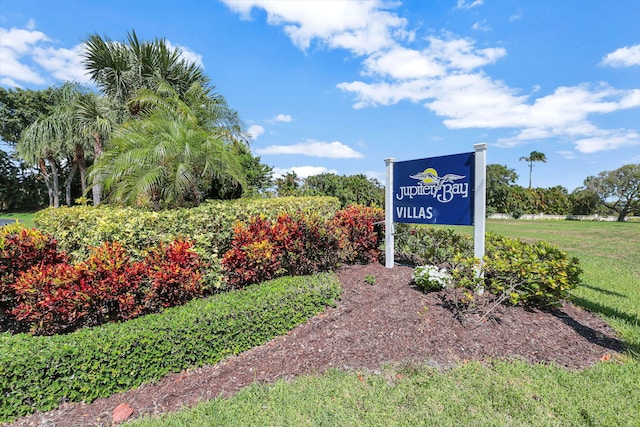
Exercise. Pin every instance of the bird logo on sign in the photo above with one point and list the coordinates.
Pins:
(430, 177)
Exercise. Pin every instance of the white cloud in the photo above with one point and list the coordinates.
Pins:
(28, 58)
(31, 57)
(9, 82)
(624, 57)
(403, 63)
(21, 41)
(466, 5)
(446, 76)
(187, 54)
(604, 140)
(284, 118)
(567, 154)
(516, 16)
(481, 26)
(441, 57)
(361, 26)
(255, 131)
(63, 64)
(381, 176)
(460, 54)
(302, 171)
(14, 44)
(332, 150)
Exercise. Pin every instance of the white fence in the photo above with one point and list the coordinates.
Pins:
(610, 218)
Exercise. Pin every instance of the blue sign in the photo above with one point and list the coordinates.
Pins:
(436, 190)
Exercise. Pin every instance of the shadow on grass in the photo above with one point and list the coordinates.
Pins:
(604, 291)
(606, 311)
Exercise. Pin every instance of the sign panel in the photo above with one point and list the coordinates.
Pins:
(435, 190)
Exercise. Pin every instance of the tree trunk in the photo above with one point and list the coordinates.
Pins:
(96, 190)
(72, 174)
(81, 161)
(47, 180)
(56, 182)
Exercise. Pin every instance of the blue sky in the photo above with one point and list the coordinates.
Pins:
(337, 86)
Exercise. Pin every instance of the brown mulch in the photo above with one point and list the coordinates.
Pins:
(387, 322)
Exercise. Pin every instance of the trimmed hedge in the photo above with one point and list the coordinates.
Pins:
(209, 226)
(38, 373)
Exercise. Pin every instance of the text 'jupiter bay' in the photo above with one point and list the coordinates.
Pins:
(443, 192)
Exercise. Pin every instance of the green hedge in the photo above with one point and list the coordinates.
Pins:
(38, 373)
(209, 225)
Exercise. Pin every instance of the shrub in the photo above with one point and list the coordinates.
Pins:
(537, 274)
(254, 256)
(309, 244)
(20, 249)
(430, 246)
(108, 286)
(114, 283)
(51, 298)
(174, 273)
(38, 373)
(361, 239)
(295, 245)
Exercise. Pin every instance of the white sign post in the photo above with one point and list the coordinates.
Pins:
(389, 254)
(480, 203)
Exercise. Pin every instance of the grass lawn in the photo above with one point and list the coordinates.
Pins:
(23, 217)
(486, 394)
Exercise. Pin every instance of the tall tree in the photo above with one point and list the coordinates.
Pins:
(97, 116)
(288, 185)
(120, 69)
(500, 180)
(535, 156)
(53, 138)
(41, 146)
(584, 201)
(9, 182)
(19, 108)
(173, 155)
(349, 189)
(618, 190)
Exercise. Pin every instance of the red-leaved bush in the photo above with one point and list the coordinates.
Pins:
(51, 298)
(254, 255)
(361, 241)
(309, 244)
(108, 286)
(293, 245)
(300, 244)
(175, 275)
(115, 283)
(20, 249)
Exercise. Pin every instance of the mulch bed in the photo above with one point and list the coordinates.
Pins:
(374, 324)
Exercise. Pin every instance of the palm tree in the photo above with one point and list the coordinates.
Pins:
(174, 153)
(120, 69)
(97, 117)
(52, 139)
(535, 156)
(40, 146)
